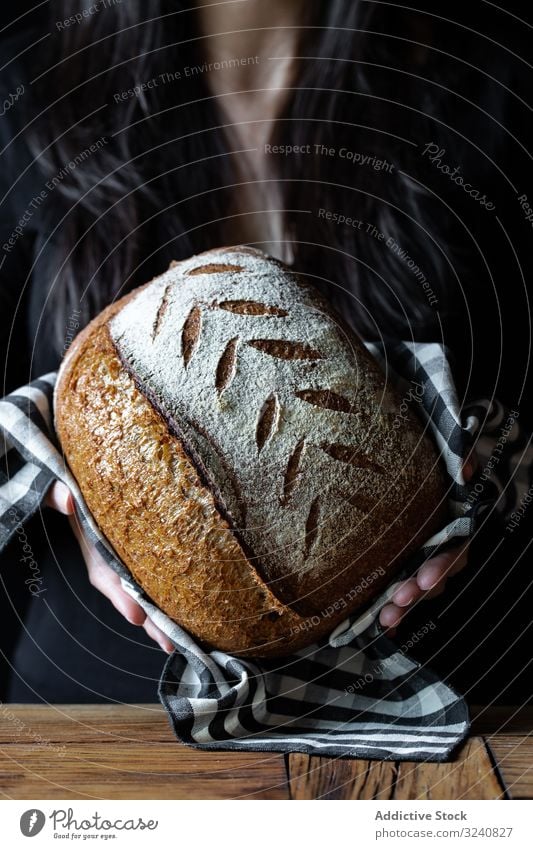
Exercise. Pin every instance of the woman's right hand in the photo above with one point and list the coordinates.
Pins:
(101, 576)
(430, 580)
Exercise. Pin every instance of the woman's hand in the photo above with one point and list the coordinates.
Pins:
(430, 580)
(101, 576)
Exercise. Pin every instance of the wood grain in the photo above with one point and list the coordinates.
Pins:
(336, 778)
(105, 723)
(121, 752)
(471, 776)
(139, 771)
(130, 752)
(514, 756)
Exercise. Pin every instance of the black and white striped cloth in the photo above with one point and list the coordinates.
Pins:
(356, 693)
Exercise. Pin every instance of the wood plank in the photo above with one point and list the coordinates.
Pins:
(470, 776)
(312, 777)
(74, 740)
(514, 756)
(105, 723)
(138, 771)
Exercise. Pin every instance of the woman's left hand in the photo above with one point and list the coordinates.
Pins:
(101, 576)
(430, 580)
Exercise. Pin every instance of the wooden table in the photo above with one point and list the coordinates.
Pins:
(129, 752)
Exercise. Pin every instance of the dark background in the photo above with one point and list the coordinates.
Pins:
(483, 643)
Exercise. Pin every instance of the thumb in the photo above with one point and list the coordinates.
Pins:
(60, 498)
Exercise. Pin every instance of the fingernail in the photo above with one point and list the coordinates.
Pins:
(403, 600)
(427, 582)
(393, 621)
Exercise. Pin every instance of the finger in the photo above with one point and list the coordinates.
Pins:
(156, 634)
(108, 583)
(391, 616)
(470, 465)
(60, 498)
(118, 597)
(433, 572)
(442, 566)
(437, 568)
(468, 470)
(103, 579)
(407, 594)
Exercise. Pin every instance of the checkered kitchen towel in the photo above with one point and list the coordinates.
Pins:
(355, 693)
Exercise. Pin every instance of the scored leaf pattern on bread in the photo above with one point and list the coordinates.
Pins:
(295, 408)
(268, 416)
(286, 350)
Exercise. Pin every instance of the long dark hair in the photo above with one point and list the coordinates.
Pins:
(141, 180)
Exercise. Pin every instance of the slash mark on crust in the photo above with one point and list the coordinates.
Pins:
(227, 365)
(267, 422)
(360, 501)
(214, 268)
(349, 454)
(250, 308)
(311, 527)
(283, 349)
(191, 334)
(162, 309)
(327, 399)
(291, 472)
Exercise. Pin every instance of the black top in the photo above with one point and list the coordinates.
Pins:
(69, 645)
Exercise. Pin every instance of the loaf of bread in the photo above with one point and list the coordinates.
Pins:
(241, 451)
